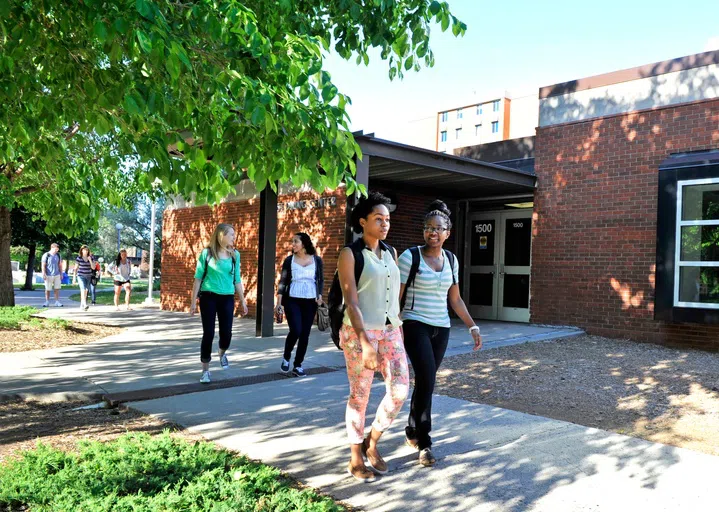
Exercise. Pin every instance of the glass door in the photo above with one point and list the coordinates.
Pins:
(482, 255)
(515, 254)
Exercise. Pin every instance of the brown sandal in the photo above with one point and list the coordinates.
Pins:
(361, 473)
(377, 463)
(412, 443)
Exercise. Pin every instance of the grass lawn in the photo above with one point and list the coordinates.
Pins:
(140, 472)
(18, 317)
(104, 282)
(138, 296)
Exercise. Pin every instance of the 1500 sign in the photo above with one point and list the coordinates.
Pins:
(309, 204)
(483, 228)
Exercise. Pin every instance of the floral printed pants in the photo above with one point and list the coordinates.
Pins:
(393, 365)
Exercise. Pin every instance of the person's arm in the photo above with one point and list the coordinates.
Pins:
(195, 291)
(74, 273)
(320, 279)
(459, 307)
(239, 289)
(346, 270)
(285, 278)
(43, 263)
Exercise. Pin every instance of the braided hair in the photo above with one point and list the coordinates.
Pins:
(438, 208)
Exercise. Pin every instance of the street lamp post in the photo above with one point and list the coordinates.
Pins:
(118, 227)
(152, 256)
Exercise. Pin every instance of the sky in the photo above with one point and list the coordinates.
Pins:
(519, 46)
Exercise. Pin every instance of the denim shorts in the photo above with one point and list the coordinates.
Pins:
(84, 282)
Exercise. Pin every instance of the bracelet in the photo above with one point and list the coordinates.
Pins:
(473, 328)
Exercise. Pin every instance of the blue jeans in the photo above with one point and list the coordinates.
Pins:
(84, 282)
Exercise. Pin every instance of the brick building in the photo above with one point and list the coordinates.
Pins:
(608, 219)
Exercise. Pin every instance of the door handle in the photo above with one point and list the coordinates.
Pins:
(502, 272)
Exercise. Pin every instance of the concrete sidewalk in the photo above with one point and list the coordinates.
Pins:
(490, 459)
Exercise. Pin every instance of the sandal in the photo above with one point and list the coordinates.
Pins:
(377, 463)
(361, 473)
(412, 443)
(426, 458)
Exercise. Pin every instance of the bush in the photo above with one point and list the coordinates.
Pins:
(12, 318)
(138, 472)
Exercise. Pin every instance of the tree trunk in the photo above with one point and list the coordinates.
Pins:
(30, 268)
(7, 295)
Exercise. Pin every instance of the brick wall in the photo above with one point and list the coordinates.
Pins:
(186, 231)
(593, 251)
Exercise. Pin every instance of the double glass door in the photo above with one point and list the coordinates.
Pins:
(498, 265)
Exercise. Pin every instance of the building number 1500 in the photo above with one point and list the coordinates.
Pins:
(483, 228)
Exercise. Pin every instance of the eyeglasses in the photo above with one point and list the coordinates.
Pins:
(432, 229)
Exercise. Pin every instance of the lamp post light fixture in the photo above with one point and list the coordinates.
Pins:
(118, 227)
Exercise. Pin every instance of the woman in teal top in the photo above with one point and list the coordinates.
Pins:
(217, 281)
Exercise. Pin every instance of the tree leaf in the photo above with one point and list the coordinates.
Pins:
(144, 40)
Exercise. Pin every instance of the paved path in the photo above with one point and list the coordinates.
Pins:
(490, 459)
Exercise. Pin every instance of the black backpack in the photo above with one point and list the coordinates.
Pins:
(335, 300)
(414, 268)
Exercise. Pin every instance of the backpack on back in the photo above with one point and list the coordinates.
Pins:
(414, 268)
(335, 299)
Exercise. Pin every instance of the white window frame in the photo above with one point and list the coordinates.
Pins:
(443, 136)
(444, 116)
(495, 106)
(495, 124)
(460, 114)
(678, 264)
(457, 133)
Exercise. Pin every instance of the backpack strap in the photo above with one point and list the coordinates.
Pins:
(414, 267)
(450, 258)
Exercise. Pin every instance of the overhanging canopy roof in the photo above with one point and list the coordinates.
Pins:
(400, 166)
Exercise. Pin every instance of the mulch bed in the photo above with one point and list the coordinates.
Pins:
(38, 338)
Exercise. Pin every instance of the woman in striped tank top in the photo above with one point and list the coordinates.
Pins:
(83, 273)
(426, 322)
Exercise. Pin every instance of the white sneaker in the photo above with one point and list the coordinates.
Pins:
(205, 379)
(58, 304)
(46, 304)
(224, 362)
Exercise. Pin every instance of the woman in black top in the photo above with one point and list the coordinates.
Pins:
(299, 294)
(84, 266)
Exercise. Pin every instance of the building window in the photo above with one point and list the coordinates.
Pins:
(477, 129)
(479, 110)
(443, 136)
(495, 106)
(459, 113)
(495, 126)
(444, 117)
(457, 133)
(696, 273)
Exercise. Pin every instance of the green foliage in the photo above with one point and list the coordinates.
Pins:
(19, 254)
(94, 93)
(13, 318)
(139, 472)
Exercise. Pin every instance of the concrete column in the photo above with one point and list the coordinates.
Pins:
(266, 263)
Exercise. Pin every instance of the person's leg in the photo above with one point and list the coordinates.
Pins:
(360, 382)
(393, 365)
(48, 285)
(128, 292)
(225, 309)
(118, 289)
(439, 340)
(418, 344)
(208, 311)
(308, 312)
(57, 280)
(293, 313)
(92, 292)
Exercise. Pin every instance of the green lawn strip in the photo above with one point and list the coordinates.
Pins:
(13, 318)
(39, 286)
(140, 472)
(138, 296)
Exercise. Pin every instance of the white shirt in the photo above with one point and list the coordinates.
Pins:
(378, 291)
(303, 284)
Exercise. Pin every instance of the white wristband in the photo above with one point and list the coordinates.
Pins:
(473, 328)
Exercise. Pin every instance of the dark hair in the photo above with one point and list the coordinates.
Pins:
(82, 249)
(438, 208)
(306, 242)
(118, 260)
(364, 207)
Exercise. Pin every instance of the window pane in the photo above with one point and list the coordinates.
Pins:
(516, 291)
(518, 242)
(700, 202)
(481, 291)
(483, 237)
(699, 284)
(700, 243)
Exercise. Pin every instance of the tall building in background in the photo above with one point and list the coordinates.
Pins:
(495, 119)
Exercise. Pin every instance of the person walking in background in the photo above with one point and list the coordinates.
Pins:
(298, 295)
(94, 281)
(52, 274)
(370, 337)
(429, 276)
(217, 281)
(121, 275)
(83, 273)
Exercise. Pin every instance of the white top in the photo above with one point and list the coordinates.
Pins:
(378, 291)
(303, 284)
(429, 290)
(122, 271)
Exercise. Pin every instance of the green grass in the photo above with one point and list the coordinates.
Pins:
(138, 296)
(39, 286)
(13, 318)
(139, 472)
